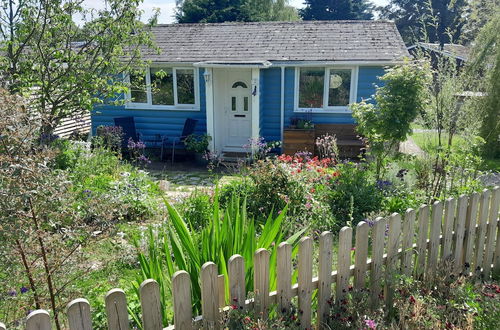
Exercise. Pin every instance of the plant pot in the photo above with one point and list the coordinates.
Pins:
(199, 159)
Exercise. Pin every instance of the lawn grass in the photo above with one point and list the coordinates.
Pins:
(428, 142)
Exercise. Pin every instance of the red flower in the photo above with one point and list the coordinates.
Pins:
(312, 190)
(412, 300)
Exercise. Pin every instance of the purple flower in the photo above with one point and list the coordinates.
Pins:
(371, 324)
(12, 293)
(382, 184)
(24, 289)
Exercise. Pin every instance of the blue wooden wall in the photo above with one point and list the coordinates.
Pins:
(271, 99)
(152, 122)
(170, 123)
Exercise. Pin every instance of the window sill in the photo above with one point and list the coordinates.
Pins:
(139, 106)
(324, 110)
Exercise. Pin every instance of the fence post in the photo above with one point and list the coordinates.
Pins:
(393, 243)
(305, 282)
(481, 233)
(470, 230)
(377, 260)
(284, 275)
(237, 290)
(150, 305)
(450, 207)
(2, 326)
(79, 315)
(209, 296)
(460, 233)
(492, 227)
(116, 310)
(436, 221)
(407, 242)
(221, 285)
(361, 255)
(423, 231)
(181, 293)
(343, 263)
(261, 282)
(37, 320)
(324, 276)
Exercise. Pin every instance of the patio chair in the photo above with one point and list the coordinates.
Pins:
(189, 126)
(128, 126)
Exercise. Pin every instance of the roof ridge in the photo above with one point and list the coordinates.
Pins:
(279, 22)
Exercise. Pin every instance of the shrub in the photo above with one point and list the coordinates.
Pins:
(354, 193)
(109, 137)
(197, 209)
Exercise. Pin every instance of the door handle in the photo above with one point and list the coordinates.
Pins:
(240, 116)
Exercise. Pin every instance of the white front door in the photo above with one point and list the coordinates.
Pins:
(238, 110)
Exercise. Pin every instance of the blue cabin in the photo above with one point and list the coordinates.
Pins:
(243, 81)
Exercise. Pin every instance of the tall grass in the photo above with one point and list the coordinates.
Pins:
(177, 246)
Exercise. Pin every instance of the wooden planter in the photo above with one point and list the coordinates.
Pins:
(295, 140)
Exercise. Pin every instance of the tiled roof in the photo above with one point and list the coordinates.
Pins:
(278, 41)
(455, 50)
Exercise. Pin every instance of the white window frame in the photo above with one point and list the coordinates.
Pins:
(353, 93)
(176, 106)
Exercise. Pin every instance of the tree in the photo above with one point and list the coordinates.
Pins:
(214, 11)
(62, 68)
(397, 103)
(433, 21)
(479, 12)
(337, 10)
(485, 74)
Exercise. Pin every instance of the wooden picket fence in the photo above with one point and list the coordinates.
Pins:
(464, 231)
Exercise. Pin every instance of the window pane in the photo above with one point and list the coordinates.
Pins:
(311, 82)
(245, 103)
(233, 103)
(339, 87)
(138, 88)
(162, 86)
(185, 86)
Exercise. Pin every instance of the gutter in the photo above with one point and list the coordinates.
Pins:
(230, 64)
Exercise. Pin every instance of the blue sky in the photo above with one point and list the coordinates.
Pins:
(167, 7)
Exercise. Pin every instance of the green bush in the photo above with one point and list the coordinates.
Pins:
(353, 194)
(197, 209)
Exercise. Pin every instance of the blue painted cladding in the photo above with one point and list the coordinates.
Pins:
(367, 80)
(270, 106)
(152, 122)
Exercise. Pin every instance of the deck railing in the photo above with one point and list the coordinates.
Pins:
(464, 231)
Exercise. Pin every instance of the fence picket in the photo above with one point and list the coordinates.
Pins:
(490, 237)
(221, 285)
(324, 276)
(261, 282)
(470, 230)
(150, 305)
(116, 310)
(78, 312)
(361, 255)
(450, 208)
(393, 243)
(237, 291)
(481, 232)
(209, 295)
(343, 263)
(38, 320)
(407, 242)
(460, 232)
(434, 240)
(377, 260)
(423, 231)
(181, 293)
(284, 276)
(305, 282)
(2, 326)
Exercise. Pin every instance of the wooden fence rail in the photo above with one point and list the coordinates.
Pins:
(464, 232)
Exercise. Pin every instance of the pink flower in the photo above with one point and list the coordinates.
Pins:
(371, 324)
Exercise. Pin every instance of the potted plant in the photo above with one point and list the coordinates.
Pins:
(198, 144)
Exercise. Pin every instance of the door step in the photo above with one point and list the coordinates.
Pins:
(234, 157)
